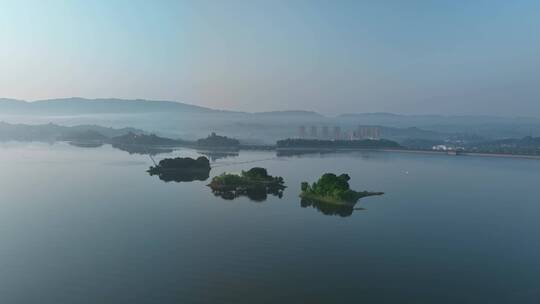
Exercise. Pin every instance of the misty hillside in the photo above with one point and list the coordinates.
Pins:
(283, 114)
(174, 119)
(481, 125)
(53, 132)
(79, 106)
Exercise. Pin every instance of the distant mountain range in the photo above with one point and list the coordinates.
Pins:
(139, 142)
(175, 119)
(76, 105)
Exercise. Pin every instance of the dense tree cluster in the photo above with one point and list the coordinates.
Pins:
(185, 163)
(331, 185)
(251, 178)
(180, 163)
(333, 188)
(255, 183)
(182, 169)
(214, 140)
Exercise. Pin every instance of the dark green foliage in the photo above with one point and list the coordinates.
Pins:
(252, 177)
(185, 163)
(256, 172)
(333, 188)
(228, 180)
(182, 169)
(254, 183)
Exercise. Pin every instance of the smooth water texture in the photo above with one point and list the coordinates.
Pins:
(89, 225)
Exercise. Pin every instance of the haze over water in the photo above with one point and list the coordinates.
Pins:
(91, 226)
(428, 111)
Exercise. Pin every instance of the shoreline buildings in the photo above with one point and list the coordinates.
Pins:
(361, 132)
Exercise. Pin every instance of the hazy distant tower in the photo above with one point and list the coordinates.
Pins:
(377, 133)
(369, 132)
(302, 131)
(325, 133)
(366, 132)
(360, 133)
(313, 132)
(337, 132)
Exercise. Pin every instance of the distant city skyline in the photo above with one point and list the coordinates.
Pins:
(332, 57)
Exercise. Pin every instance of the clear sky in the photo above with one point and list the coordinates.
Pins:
(442, 57)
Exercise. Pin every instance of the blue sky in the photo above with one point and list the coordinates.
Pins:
(442, 57)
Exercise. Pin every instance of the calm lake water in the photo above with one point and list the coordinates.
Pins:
(89, 225)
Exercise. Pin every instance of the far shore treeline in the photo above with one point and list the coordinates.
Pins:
(135, 140)
(317, 143)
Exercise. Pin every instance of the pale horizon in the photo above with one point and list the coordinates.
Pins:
(459, 58)
(269, 151)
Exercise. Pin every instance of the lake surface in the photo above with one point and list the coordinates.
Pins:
(89, 225)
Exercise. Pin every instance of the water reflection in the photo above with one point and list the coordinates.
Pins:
(219, 154)
(85, 144)
(367, 155)
(255, 194)
(144, 150)
(182, 175)
(330, 209)
(289, 153)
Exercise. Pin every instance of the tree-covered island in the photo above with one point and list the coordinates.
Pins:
(182, 169)
(217, 141)
(254, 183)
(333, 189)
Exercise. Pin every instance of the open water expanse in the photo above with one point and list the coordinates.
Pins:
(89, 225)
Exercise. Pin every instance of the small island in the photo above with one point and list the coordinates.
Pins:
(214, 141)
(146, 144)
(254, 183)
(333, 189)
(182, 169)
(143, 140)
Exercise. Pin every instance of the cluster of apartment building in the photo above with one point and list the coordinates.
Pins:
(336, 133)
